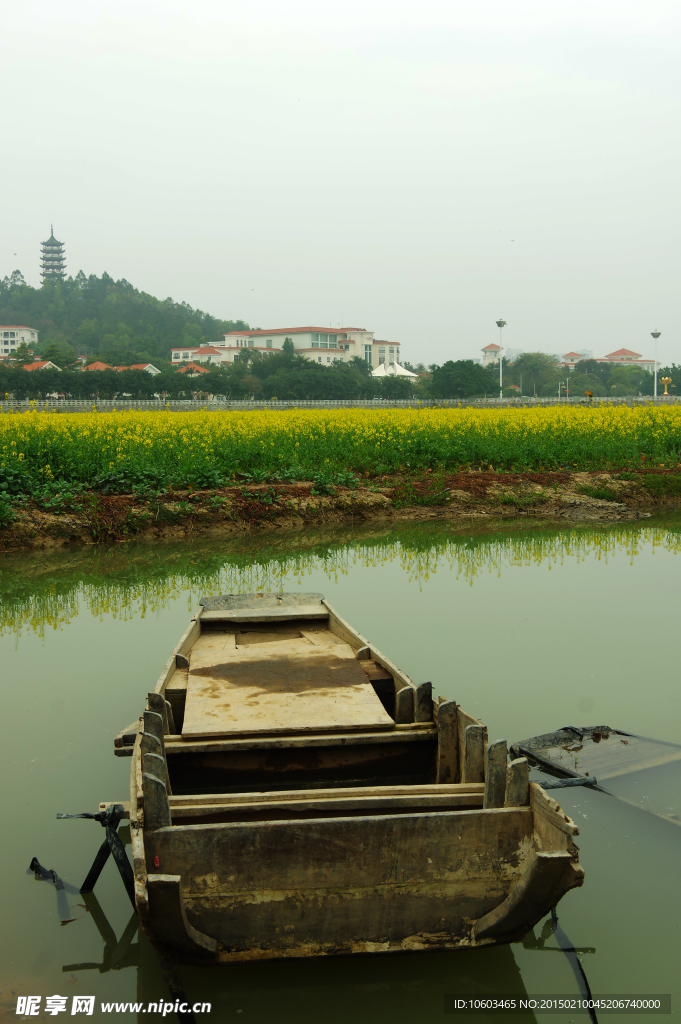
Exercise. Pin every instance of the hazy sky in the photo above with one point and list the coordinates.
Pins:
(416, 168)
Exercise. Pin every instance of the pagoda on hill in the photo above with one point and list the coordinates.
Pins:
(53, 260)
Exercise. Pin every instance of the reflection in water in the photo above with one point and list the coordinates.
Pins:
(473, 973)
(416, 990)
(117, 953)
(40, 591)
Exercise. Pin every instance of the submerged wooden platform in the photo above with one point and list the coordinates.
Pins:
(596, 751)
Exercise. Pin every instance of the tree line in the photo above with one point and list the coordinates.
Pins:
(116, 323)
(106, 319)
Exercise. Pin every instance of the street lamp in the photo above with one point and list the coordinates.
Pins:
(655, 335)
(501, 324)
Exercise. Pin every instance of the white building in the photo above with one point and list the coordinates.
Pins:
(490, 354)
(200, 354)
(318, 344)
(625, 357)
(13, 335)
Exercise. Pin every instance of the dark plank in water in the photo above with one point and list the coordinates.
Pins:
(595, 751)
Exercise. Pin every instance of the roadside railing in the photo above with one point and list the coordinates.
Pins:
(100, 405)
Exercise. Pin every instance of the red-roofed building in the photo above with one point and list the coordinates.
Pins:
(626, 357)
(149, 367)
(490, 354)
(97, 365)
(193, 369)
(200, 354)
(319, 344)
(621, 357)
(570, 359)
(42, 364)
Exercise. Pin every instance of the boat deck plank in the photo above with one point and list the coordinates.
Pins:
(288, 685)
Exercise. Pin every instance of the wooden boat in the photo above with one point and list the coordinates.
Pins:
(293, 793)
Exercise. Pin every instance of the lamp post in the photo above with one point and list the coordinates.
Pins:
(501, 324)
(655, 335)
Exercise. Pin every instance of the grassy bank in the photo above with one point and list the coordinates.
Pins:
(61, 515)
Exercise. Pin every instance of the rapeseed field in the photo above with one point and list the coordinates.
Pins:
(206, 449)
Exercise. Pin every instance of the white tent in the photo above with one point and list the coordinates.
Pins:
(394, 370)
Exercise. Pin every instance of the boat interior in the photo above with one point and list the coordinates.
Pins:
(273, 707)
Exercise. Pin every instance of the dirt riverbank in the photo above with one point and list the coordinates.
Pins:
(480, 497)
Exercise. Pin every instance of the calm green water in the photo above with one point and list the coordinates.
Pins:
(528, 630)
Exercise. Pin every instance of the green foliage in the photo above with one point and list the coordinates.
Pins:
(128, 481)
(619, 381)
(396, 388)
(107, 318)
(662, 485)
(428, 490)
(58, 496)
(460, 379)
(583, 382)
(7, 511)
(541, 373)
(56, 354)
(601, 492)
(23, 355)
(325, 482)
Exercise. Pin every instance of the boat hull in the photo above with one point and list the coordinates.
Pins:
(404, 830)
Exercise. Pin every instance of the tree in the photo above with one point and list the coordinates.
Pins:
(582, 382)
(593, 366)
(396, 387)
(360, 365)
(252, 386)
(460, 379)
(23, 356)
(288, 349)
(54, 354)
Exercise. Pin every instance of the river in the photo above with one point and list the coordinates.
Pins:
(528, 630)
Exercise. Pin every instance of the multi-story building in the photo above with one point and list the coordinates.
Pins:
(199, 354)
(13, 335)
(490, 354)
(622, 357)
(319, 344)
(625, 357)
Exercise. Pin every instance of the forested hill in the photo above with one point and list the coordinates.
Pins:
(110, 319)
